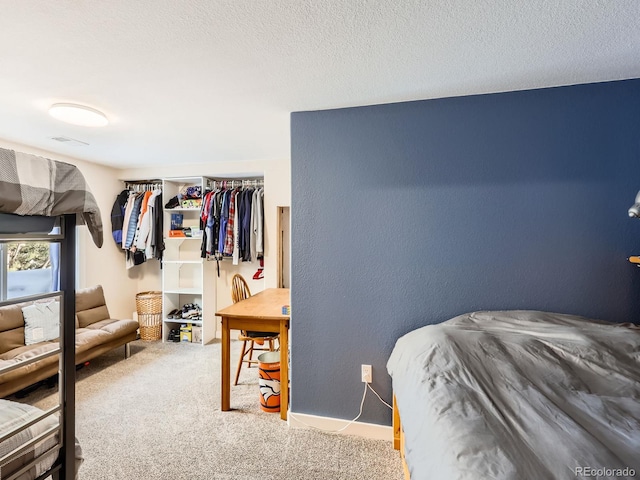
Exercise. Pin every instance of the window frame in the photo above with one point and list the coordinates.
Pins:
(55, 236)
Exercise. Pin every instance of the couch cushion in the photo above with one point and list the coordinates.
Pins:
(11, 316)
(23, 353)
(28, 351)
(89, 297)
(102, 332)
(12, 326)
(88, 338)
(11, 339)
(90, 306)
(117, 328)
(92, 315)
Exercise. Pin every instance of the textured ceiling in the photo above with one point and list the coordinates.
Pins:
(209, 80)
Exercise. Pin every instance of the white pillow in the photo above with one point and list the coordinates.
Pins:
(41, 322)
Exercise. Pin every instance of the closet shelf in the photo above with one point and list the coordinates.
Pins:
(184, 291)
(182, 320)
(182, 262)
(181, 239)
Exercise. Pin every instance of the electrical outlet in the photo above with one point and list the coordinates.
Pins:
(367, 376)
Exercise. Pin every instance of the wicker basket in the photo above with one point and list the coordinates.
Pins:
(149, 308)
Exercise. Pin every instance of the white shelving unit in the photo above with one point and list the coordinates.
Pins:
(185, 275)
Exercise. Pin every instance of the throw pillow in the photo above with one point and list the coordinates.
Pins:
(41, 322)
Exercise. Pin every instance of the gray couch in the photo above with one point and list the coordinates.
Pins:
(96, 333)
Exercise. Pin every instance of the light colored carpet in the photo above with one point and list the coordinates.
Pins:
(157, 416)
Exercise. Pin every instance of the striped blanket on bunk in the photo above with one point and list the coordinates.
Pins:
(33, 185)
(14, 415)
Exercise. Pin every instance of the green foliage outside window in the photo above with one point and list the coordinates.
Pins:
(28, 256)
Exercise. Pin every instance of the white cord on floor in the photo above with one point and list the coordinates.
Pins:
(364, 395)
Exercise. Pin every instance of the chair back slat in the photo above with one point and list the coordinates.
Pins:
(239, 288)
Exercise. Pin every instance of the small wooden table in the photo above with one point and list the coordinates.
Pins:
(261, 312)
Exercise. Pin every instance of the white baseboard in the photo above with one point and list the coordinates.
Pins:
(361, 429)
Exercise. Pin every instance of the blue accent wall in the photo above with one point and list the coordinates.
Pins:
(408, 214)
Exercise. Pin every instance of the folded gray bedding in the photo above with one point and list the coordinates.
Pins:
(519, 395)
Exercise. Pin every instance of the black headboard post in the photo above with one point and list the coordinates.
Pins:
(68, 380)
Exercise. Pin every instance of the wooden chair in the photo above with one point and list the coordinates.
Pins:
(240, 291)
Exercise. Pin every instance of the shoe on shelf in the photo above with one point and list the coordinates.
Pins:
(173, 203)
(191, 309)
(173, 313)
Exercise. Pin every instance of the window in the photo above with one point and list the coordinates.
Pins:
(28, 268)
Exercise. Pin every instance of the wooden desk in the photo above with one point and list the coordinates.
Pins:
(261, 312)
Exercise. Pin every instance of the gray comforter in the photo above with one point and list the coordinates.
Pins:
(519, 395)
(33, 185)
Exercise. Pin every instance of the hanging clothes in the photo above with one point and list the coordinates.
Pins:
(245, 226)
(144, 223)
(155, 242)
(228, 241)
(210, 224)
(224, 219)
(258, 222)
(137, 224)
(131, 219)
(256, 237)
(204, 226)
(117, 216)
(235, 255)
(233, 226)
(252, 232)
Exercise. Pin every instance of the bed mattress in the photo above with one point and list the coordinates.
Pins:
(14, 414)
(519, 394)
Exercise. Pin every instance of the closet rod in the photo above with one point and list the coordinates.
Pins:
(143, 185)
(236, 182)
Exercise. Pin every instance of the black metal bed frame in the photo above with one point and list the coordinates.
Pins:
(64, 466)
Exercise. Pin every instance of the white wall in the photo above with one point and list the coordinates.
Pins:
(103, 266)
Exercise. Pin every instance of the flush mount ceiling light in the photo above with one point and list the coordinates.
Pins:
(78, 115)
